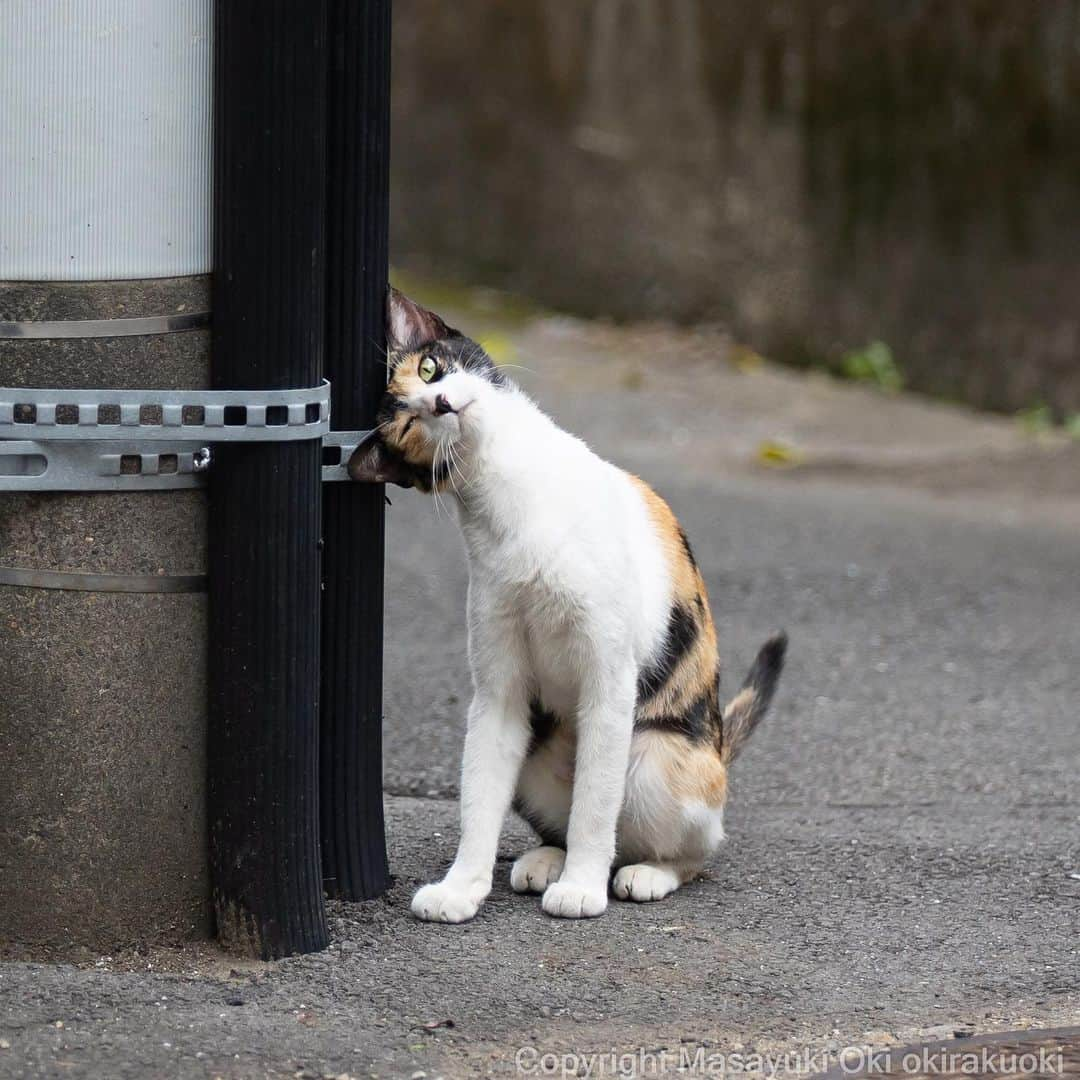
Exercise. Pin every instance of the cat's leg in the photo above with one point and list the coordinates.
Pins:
(537, 869)
(605, 726)
(496, 740)
(544, 793)
(673, 814)
(495, 743)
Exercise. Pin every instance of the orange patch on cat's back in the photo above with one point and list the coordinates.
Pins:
(686, 581)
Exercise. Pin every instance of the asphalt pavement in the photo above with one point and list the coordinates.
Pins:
(904, 853)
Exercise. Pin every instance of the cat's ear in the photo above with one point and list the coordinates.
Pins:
(409, 326)
(372, 463)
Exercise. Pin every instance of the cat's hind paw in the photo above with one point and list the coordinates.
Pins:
(534, 871)
(567, 900)
(440, 902)
(644, 882)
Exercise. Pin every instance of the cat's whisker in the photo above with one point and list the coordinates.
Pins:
(465, 480)
(384, 352)
(450, 473)
(441, 450)
(455, 466)
(474, 349)
(440, 505)
(434, 485)
(384, 349)
(458, 467)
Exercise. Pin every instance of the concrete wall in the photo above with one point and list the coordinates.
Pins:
(103, 696)
(815, 174)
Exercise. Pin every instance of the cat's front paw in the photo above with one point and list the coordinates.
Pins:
(567, 900)
(440, 902)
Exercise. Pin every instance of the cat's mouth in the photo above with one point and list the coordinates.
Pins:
(446, 411)
(444, 408)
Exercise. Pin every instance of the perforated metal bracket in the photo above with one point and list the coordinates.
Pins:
(112, 465)
(338, 447)
(204, 415)
(100, 465)
(109, 465)
(152, 440)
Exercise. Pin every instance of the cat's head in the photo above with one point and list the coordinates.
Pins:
(440, 385)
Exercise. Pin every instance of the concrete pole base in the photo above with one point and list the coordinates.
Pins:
(103, 696)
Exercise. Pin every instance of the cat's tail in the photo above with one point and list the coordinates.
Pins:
(745, 710)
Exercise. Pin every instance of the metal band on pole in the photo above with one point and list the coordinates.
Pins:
(135, 464)
(107, 328)
(71, 581)
(214, 415)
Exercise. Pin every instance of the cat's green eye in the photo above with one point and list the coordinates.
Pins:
(429, 368)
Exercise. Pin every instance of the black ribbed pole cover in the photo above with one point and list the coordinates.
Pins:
(358, 152)
(270, 69)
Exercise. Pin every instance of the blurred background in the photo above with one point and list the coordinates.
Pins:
(811, 268)
(885, 189)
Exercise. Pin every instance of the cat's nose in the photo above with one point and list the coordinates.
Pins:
(442, 406)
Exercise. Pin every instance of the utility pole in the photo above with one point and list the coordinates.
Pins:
(358, 148)
(270, 69)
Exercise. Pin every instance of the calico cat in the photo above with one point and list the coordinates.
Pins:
(596, 710)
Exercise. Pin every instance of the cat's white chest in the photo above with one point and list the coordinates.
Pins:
(562, 548)
(555, 637)
(552, 625)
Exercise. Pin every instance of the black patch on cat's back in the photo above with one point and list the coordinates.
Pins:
(682, 632)
(698, 722)
(686, 547)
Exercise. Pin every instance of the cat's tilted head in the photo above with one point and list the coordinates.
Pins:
(440, 385)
